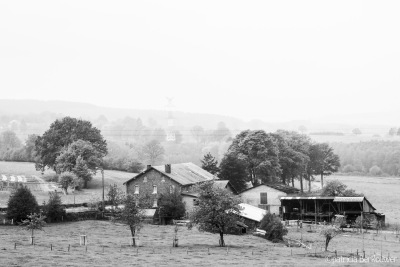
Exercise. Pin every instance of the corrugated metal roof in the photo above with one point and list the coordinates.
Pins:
(221, 183)
(251, 212)
(281, 187)
(307, 198)
(186, 173)
(348, 199)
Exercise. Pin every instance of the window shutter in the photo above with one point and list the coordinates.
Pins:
(263, 198)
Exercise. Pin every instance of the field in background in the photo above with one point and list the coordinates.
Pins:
(85, 195)
(108, 245)
(382, 192)
(352, 138)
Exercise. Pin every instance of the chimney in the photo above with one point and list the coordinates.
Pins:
(148, 167)
(167, 168)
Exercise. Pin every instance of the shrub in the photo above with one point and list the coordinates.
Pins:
(348, 168)
(273, 227)
(171, 206)
(375, 170)
(54, 210)
(51, 177)
(21, 204)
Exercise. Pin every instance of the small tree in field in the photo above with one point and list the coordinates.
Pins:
(66, 179)
(133, 214)
(329, 233)
(34, 222)
(217, 210)
(20, 204)
(273, 227)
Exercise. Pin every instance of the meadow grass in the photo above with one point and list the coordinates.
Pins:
(108, 245)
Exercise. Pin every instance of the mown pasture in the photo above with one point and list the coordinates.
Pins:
(108, 245)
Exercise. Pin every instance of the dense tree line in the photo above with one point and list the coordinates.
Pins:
(373, 157)
(280, 157)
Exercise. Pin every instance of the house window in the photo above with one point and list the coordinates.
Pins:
(145, 179)
(154, 189)
(163, 179)
(155, 203)
(136, 189)
(263, 198)
(171, 189)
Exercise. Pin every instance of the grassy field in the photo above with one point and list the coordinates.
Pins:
(94, 191)
(382, 192)
(108, 245)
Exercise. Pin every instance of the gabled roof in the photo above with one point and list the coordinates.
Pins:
(281, 187)
(182, 173)
(251, 212)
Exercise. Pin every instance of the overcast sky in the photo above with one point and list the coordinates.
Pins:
(271, 60)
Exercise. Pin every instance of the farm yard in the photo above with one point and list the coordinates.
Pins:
(108, 244)
(40, 188)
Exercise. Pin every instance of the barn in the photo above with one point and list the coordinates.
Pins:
(323, 209)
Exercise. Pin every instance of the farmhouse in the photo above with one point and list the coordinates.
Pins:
(320, 209)
(157, 180)
(266, 196)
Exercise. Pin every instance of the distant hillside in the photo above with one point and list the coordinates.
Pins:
(42, 113)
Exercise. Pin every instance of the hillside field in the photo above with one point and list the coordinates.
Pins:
(93, 192)
(108, 245)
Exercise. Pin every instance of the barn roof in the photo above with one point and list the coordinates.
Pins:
(182, 173)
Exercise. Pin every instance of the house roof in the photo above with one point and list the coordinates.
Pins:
(281, 187)
(251, 212)
(182, 173)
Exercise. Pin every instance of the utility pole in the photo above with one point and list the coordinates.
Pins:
(102, 180)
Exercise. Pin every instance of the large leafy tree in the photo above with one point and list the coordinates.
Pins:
(325, 161)
(260, 153)
(336, 188)
(217, 210)
(152, 152)
(293, 154)
(61, 134)
(80, 158)
(234, 170)
(20, 204)
(210, 164)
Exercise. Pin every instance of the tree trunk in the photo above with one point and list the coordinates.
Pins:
(85, 184)
(301, 183)
(309, 183)
(327, 240)
(322, 180)
(292, 181)
(133, 236)
(32, 242)
(221, 239)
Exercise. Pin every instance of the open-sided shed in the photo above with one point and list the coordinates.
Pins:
(320, 209)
